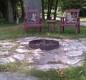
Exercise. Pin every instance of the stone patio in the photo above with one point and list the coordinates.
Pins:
(71, 53)
(15, 76)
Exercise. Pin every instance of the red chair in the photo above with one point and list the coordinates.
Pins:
(32, 19)
(71, 19)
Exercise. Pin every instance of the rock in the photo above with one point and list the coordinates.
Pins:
(65, 44)
(47, 58)
(73, 62)
(47, 67)
(73, 47)
(83, 48)
(63, 59)
(11, 59)
(37, 51)
(30, 59)
(19, 57)
(15, 76)
(66, 49)
(4, 61)
(34, 58)
(21, 50)
(7, 45)
(24, 43)
(21, 47)
(4, 53)
(74, 53)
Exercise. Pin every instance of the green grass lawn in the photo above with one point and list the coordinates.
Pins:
(83, 19)
(12, 31)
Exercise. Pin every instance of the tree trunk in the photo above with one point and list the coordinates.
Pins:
(22, 7)
(10, 12)
(43, 17)
(14, 11)
(3, 9)
(55, 9)
(50, 3)
(48, 11)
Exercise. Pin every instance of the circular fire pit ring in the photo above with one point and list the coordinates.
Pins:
(44, 44)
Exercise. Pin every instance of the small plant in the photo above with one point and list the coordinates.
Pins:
(3, 68)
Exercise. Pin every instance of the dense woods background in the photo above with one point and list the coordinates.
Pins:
(11, 9)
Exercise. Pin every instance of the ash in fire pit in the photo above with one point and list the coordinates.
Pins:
(44, 44)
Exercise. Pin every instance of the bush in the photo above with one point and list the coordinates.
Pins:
(2, 21)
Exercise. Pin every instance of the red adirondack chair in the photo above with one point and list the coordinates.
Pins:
(71, 19)
(32, 19)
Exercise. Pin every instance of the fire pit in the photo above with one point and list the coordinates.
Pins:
(44, 44)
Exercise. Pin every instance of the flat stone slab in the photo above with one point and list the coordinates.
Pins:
(21, 50)
(15, 76)
(2, 53)
(47, 67)
(73, 62)
(7, 44)
(74, 53)
(4, 61)
(19, 57)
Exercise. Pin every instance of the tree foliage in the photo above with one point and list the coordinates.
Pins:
(48, 5)
(8, 9)
(69, 4)
(65, 4)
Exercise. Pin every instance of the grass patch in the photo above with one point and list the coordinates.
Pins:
(15, 67)
(83, 19)
(77, 73)
(12, 31)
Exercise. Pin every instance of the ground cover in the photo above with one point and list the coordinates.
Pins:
(12, 31)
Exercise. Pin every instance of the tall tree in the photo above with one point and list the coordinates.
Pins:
(22, 8)
(10, 11)
(50, 3)
(43, 17)
(3, 9)
(56, 4)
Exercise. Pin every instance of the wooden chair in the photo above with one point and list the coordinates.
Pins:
(71, 19)
(32, 19)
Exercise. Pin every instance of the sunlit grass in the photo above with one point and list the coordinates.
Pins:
(83, 19)
(12, 31)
